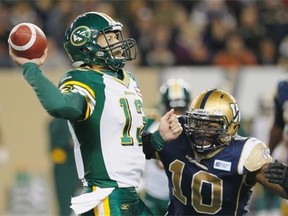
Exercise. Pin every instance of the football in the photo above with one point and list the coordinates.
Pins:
(27, 40)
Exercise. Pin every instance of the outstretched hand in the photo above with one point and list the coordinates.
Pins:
(277, 173)
(169, 127)
(20, 61)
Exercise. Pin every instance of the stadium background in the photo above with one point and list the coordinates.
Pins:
(24, 122)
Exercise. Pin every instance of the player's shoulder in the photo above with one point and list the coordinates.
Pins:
(283, 84)
(254, 155)
(235, 147)
(282, 89)
(81, 75)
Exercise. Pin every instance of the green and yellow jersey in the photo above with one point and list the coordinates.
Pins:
(106, 119)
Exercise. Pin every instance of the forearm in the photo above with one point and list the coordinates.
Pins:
(275, 137)
(68, 106)
(152, 142)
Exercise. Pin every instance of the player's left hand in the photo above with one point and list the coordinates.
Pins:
(277, 173)
(169, 127)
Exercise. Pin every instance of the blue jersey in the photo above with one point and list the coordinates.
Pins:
(281, 104)
(215, 185)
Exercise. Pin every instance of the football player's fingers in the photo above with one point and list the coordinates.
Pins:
(276, 165)
(12, 55)
(173, 122)
(173, 119)
(274, 170)
(177, 128)
(276, 174)
(273, 175)
(273, 181)
(10, 51)
(166, 117)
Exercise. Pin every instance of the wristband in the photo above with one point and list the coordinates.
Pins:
(157, 141)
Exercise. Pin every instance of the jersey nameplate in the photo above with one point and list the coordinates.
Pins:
(222, 165)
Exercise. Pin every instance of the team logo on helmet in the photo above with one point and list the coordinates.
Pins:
(80, 35)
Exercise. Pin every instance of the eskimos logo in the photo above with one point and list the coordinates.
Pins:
(80, 35)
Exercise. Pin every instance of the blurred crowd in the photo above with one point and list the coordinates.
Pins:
(227, 33)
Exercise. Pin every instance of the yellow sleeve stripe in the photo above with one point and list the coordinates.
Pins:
(88, 110)
(78, 84)
(85, 90)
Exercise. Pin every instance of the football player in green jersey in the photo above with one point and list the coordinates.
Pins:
(104, 109)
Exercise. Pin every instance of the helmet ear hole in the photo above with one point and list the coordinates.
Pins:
(84, 50)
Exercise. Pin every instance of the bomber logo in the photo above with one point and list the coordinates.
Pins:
(79, 35)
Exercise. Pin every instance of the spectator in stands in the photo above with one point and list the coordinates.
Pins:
(235, 54)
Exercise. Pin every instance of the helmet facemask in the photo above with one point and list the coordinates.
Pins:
(206, 132)
(109, 54)
(212, 121)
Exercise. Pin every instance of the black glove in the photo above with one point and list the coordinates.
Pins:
(277, 173)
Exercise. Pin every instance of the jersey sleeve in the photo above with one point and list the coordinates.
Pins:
(68, 106)
(254, 155)
(71, 83)
(279, 100)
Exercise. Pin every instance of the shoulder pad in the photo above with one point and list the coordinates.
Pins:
(254, 155)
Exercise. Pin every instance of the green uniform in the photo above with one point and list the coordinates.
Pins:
(106, 119)
(110, 127)
(66, 181)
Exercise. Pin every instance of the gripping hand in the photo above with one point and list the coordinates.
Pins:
(277, 173)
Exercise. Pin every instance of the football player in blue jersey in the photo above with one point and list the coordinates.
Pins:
(211, 170)
(175, 94)
(104, 109)
(280, 114)
(278, 138)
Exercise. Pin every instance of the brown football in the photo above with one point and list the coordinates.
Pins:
(27, 40)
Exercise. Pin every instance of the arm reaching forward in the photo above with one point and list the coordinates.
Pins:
(169, 129)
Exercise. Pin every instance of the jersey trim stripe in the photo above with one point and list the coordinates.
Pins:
(103, 207)
(77, 153)
(78, 84)
(84, 90)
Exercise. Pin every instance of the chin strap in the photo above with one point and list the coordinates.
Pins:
(78, 64)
